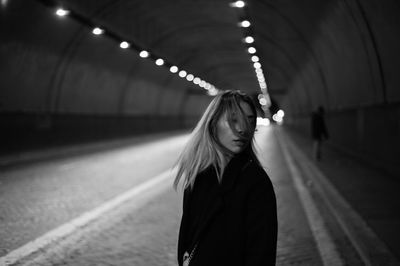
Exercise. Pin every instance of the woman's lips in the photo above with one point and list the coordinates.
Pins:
(240, 141)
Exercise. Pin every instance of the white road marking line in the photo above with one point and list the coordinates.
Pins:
(81, 221)
(323, 239)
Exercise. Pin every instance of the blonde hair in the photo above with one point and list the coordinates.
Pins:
(203, 148)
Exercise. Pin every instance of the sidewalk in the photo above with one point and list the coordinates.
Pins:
(373, 194)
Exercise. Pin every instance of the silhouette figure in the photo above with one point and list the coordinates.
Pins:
(319, 131)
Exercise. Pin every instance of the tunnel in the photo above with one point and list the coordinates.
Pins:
(58, 78)
(80, 72)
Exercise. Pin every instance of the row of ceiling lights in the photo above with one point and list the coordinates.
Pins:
(254, 58)
(211, 89)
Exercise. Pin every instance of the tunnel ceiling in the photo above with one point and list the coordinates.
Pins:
(203, 36)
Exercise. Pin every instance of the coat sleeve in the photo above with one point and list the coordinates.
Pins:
(261, 224)
(183, 227)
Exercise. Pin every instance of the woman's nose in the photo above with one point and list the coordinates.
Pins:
(240, 130)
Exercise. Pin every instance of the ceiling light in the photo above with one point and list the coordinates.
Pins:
(182, 73)
(97, 31)
(239, 4)
(190, 77)
(62, 12)
(196, 80)
(263, 101)
(159, 62)
(251, 50)
(255, 58)
(212, 91)
(144, 54)
(245, 24)
(173, 69)
(124, 45)
(249, 39)
(257, 65)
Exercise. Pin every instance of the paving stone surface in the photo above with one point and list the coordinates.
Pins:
(141, 232)
(371, 191)
(144, 230)
(40, 196)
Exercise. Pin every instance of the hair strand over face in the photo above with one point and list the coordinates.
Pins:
(203, 148)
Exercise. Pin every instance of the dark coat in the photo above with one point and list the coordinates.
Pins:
(240, 226)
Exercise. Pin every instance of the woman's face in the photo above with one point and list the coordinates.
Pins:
(227, 137)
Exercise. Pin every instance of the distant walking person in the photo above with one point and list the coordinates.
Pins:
(229, 208)
(319, 131)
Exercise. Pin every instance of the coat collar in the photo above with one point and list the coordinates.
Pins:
(235, 166)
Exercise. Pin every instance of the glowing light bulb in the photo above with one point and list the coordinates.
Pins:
(173, 69)
(196, 80)
(249, 39)
(245, 24)
(257, 65)
(263, 101)
(97, 31)
(238, 4)
(212, 91)
(144, 54)
(182, 73)
(159, 62)
(251, 50)
(255, 58)
(62, 12)
(190, 77)
(124, 45)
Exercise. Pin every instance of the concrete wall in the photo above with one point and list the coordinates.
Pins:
(355, 76)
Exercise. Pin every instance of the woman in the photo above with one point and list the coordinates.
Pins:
(229, 207)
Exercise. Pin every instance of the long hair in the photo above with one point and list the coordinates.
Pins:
(203, 148)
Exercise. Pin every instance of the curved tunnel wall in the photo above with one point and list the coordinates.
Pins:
(356, 47)
(58, 78)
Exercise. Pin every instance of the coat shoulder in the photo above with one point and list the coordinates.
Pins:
(256, 172)
(254, 175)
